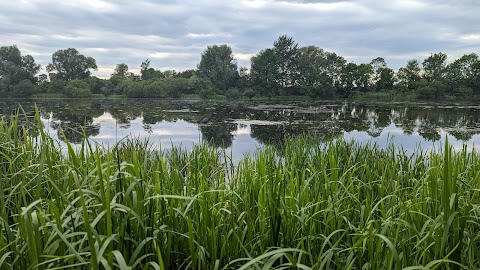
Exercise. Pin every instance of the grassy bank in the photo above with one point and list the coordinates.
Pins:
(302, 206)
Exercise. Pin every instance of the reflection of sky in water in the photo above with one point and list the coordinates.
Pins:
(162, 135)
(382, 126)
(409, 142)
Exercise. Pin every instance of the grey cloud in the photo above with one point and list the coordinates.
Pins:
(174, 33)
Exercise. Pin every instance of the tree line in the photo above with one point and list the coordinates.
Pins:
(285, 69)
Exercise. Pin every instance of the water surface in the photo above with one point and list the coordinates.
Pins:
(242, 127)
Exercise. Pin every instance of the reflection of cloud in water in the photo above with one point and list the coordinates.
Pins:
(243, 130)
(105, 117)
(244, 127)
(409, 142)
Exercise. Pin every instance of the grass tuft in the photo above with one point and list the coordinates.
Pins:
(305, 205)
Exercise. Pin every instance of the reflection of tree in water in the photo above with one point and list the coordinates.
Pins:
(463, 134)
(218, 134)
(217, 119)
(75, 133)
(124, 112)
(277, 134)
(429, 134)
(75, 120)
(272, 134)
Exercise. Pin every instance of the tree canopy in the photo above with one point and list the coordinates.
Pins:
(219, 66)
(284, 69)
(69, 65)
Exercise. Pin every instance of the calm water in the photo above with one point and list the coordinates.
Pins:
(243, 127)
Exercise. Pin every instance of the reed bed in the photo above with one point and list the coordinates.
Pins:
(304, 205)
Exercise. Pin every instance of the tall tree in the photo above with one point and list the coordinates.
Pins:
(219, 66)
(410, 75)
(263, 73)
(383, 76)
(121, 70)
(461, 75)
(356, 78)
(15, 68)
(434, 66)
(287, 52)
(149, 73)
(69, 65)
(314, 77)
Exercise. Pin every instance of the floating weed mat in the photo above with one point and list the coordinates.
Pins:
(305, 205)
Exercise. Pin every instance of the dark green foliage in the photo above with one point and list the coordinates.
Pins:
(149, 73)
(24, 88)
(233, 94)
(15, 71)
(286, 70)
(69, 65)
(132, 89)
(263, 74)
(219, 66)
(155, 89)
(175, 87)
(78, 89)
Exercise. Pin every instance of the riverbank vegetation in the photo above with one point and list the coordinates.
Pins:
(284, 70)
(301, 205)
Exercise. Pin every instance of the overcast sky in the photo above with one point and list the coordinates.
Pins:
(173, 34)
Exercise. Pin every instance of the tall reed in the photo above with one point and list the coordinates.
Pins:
(306, 205)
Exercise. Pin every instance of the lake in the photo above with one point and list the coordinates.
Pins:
(242, 127)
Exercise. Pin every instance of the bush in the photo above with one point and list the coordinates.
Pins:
(132, 89)
(249, 93)
(175, 87)
(206, 93)
(156, 89)
(78, 89)
(232, 93)
(24, 88)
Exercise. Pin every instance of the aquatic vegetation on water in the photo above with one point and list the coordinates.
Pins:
(302, 205)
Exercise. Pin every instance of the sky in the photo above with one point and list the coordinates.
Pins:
(173, 34)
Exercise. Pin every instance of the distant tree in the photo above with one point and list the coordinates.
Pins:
(169, 73)
(69, 65)
(386, 79)
(287, 52)
(219, 66)
(314, 75)
(363, 80)
(335, 67)
(461, 75)
(263, 73)
(121, 70)
(434, 66)
(175, 87)
(187, 73)
(383, 76)
(348, 79)
(15, 68)
(410, 75)
(149, 73)
(96, 84)
(202, 86)
(356, 78)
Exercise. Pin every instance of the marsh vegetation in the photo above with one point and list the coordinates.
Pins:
(302, 205)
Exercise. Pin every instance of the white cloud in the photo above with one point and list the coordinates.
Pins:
(174, 33)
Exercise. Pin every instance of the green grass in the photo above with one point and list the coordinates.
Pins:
(305, 205)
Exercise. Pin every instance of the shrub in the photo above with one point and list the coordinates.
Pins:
(24, 88)
(78, 89)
